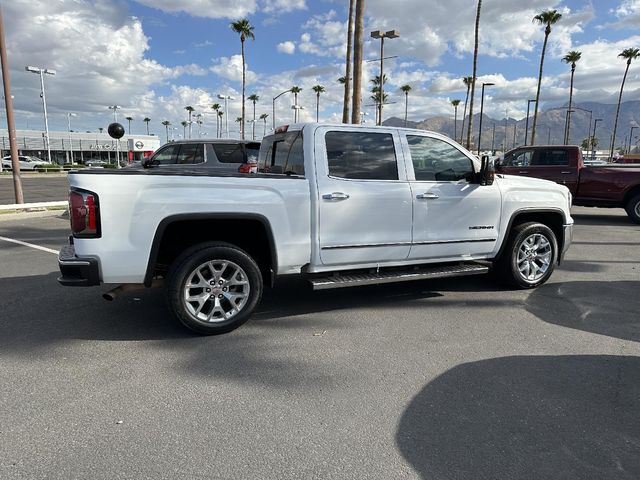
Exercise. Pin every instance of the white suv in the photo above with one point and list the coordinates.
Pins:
(26, 162)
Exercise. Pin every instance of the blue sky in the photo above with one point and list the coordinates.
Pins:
(153, 57)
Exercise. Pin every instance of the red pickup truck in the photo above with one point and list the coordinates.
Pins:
(608, 186)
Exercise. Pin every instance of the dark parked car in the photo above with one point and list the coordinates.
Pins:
(219, 155)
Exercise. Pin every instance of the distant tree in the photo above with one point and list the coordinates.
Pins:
(166, 124)
(295, 90)
(184, 124)
(455, 104)
(473, 76)
(220, 114)
(628, 54)
(146, 120)
(571, 58)
(547, 18)
(254, 98)
(406, 89)
(190, 111)
(216, 108)
(245, 30)
(318, 89)
(467, 83)
(128, 119)
(263, 117)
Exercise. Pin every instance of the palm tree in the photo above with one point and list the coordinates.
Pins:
(245, 29)
(342, 80)
(473, 76)
(263, 117)
(190, 110)
(254, 98)
(406, 89)
(347, 77)
(455, 104)
(128, 119)
(239, 120)
(628, 54)
(572, 57)
(147, 120)
(220, 114)
(318, 89)
(467, 82)
(216, 107)
(295, 90)
(184, 124)
(358, 43)
(166, 124)
(376, 95)
(547, 18)
(100, 129)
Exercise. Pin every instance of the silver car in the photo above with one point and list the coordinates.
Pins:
(26, 162)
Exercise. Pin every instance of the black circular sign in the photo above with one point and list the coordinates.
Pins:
(115, 130)
(139, 145)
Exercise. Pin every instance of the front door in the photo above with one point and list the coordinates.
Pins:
(548, 163)
(453, 218)
(364, 199)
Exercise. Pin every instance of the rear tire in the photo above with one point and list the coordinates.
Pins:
(529, 257)
(633, 209)
(213, 288)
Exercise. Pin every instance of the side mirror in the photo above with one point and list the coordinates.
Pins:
(487, 171)
(145, 163)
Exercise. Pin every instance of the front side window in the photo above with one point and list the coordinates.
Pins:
(436, 160)
(521, 158)
(361, 155)
(166, 156)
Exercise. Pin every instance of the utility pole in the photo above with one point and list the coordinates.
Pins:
(11, 124)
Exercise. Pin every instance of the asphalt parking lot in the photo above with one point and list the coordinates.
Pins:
(456, 379)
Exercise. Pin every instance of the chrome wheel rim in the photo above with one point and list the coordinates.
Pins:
(534, 257)
(216, 291)
(637, 209)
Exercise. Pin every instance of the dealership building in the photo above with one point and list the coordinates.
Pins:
(78, 147)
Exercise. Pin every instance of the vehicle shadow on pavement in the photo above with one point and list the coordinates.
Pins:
(601, 219)
(546, 417)
(605, 308)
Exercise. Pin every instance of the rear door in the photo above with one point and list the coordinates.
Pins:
(549, 163)
(364, 199)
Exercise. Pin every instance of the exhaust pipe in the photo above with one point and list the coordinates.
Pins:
(114, 293)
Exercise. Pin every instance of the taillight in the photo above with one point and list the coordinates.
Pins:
(84, 214)
(248, 168)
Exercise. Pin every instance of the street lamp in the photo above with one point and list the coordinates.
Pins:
(115, 111)
(481, 108)
(69, 115)
(295, 109)
(274, 107)
(382, 36)
(567, 128)
(631, 136)
(226, 116)
(526, 125)
(42, 72)
(593, 138)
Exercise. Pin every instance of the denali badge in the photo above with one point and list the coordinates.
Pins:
(481, 227)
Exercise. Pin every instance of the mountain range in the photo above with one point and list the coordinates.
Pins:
(510, 132)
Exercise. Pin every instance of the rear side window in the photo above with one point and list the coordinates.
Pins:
(361, 155)
(229, 152)
(551, 158)
(190, 153)
(252, 149)
(282, 154)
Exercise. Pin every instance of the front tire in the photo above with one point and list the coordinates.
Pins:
(633, 209)
(213, 288)
(530, 256)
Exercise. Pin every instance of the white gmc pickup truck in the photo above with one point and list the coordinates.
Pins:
(340, 205)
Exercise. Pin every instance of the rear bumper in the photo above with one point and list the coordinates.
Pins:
(77, 272)
(566, 241)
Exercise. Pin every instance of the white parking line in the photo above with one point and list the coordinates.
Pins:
(37, 247)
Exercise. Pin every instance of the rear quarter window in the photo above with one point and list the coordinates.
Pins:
(282, 153)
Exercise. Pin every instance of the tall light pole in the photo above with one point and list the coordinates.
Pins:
(631, 136)
(382, 36)
(226, 113)
(526, 127)
(481, 109)
(273, 112)
(115, 111)
(493, 139)
(593, 138)
(69, 115)
(295, 109)
(42, 72)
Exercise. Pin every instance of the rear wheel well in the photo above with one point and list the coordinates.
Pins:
(553, 220)
(249, 234)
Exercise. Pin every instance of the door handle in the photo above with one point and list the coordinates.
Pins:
(523, 171)
(427, 196)
(335, 196)
(566, 173)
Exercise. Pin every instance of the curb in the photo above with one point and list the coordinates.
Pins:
(33, 210)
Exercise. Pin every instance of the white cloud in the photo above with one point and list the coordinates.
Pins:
(205, 8)
(287, 47)
(283, 6)
(230, 68)
(628, 14)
